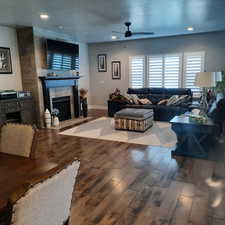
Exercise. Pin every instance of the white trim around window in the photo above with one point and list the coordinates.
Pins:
(169, 70)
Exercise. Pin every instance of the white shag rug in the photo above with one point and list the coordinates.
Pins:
(160, 134)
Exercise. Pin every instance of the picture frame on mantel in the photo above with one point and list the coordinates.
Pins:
(102, 63)
(116, 70)
(5, 61)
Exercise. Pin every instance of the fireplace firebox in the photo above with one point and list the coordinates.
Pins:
(63, 105)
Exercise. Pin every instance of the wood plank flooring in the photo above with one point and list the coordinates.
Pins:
(129, 184)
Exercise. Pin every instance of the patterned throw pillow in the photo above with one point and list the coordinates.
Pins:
(135, 99)
(129, 98)
(172, 100)
(177, 100)
(145, 101)
(132, 98)
(162, 102)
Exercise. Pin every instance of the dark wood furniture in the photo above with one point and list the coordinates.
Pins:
(17, 110)
(37, 187)
(194, 139)
(16, 171)
(61, 81)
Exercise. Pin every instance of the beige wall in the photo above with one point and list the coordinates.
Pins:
(102, 84)
(8, 39)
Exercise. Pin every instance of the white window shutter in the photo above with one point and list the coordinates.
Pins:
(137, 71)
(155, 71)
(193, 63)
(172, 71)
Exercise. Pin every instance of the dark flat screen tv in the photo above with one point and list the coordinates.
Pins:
(62, 55)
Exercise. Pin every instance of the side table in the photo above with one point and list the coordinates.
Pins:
(194, 139)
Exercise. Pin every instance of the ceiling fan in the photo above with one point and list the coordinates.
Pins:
(128, 33)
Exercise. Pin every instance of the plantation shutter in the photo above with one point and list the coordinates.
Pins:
(155, 71)
(193, 63)
(137, 71)
(172, 68)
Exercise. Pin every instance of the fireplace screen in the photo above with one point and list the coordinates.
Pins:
(64, 107)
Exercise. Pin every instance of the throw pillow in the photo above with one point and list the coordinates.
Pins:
(172, 99)
(163, 102)
(145, 101)
(129, 98)
(182, 99)
(135, 99)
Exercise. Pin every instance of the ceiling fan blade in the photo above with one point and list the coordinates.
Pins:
(142, 33)
(117, 32)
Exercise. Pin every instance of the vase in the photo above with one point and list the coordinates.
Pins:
(48, 119)
(84, 106)
(55, 121)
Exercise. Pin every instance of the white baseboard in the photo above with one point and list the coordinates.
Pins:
(97, 107)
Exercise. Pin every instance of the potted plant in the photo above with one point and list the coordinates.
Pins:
(55, 120)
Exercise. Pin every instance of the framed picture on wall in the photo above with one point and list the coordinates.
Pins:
(116, 70)
(5, 61)
(102, 63)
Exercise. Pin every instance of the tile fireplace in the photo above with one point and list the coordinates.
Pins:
(69, 106)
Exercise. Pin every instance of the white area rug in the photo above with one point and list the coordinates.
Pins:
(160, 134)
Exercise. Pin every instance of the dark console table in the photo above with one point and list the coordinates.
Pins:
(194, 139)
(19, 110)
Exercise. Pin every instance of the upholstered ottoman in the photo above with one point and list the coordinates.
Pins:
(134, 119)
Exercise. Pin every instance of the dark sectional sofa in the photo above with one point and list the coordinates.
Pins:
(161, 112)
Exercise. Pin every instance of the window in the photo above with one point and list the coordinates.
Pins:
(137, 71)
(169, 71)
(193, 63)
(155, 71)
(172, 68)
(164, 71)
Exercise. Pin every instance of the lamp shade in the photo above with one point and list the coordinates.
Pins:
(207, 79)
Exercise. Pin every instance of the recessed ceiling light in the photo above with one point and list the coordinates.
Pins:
(44, 16)
(114, 37)
(190, 28)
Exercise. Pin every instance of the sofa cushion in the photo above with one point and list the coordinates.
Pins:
(137, 114)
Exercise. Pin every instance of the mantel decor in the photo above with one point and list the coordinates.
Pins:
(102, 63)
(61, 81)
(5, 61)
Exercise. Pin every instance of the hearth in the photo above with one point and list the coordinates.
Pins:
(64, 107)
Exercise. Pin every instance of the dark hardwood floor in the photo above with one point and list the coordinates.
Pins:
(130, 184)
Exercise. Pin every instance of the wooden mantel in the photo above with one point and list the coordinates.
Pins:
(61, 81)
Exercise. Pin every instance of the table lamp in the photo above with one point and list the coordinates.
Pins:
(206, 80)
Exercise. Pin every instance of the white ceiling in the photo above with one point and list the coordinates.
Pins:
(94, 20)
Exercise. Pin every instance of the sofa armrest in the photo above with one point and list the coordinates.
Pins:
(115, 106)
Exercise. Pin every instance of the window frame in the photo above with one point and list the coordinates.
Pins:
(144, 70)
(182, 67)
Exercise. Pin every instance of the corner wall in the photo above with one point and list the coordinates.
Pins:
(8, 38)
(102, 84)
